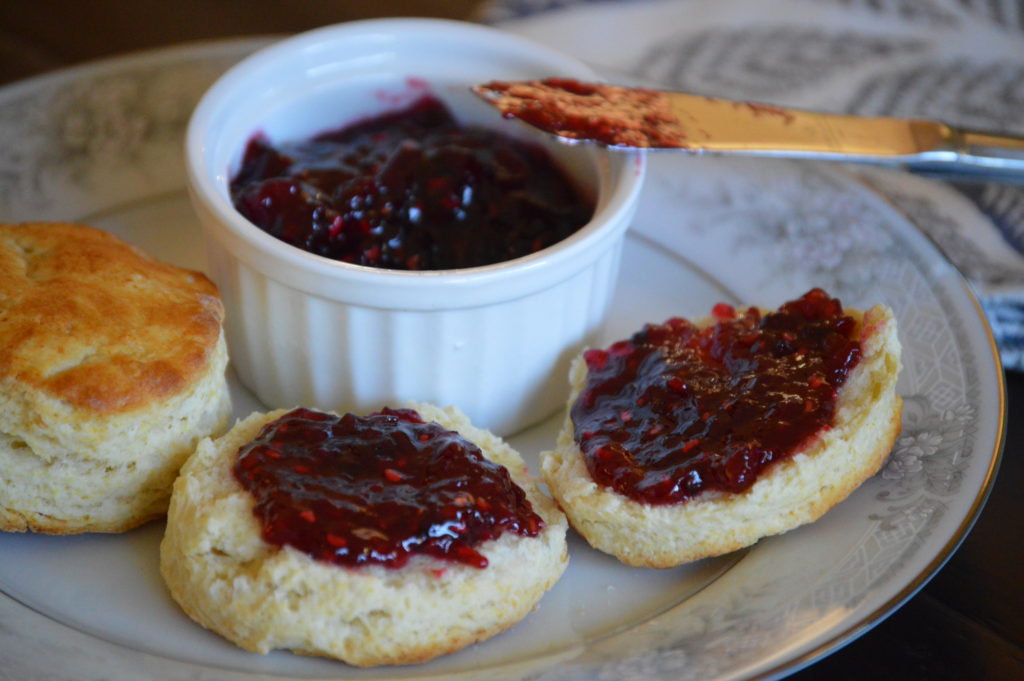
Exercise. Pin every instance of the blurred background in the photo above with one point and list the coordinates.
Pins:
(47, 34)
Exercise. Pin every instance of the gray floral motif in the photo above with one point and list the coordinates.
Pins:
(648, 665)
(71, 129)
(907, 458)
(827, 241)
(806, 221)
(929, 455)
(705, 640)
(763, 62)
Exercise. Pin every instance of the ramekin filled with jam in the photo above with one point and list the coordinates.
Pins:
(379, 234)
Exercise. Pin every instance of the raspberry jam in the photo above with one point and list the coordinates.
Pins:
(677, 410)
(610, 115)
(378, 489)
(411, 189)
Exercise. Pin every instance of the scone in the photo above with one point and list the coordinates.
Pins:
(111, 370)
(688, 441)
(375, 540)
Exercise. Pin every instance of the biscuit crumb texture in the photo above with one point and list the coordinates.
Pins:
(112, 368)
(261, 597)
(794, 492)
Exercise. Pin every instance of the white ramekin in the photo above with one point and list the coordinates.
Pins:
(306, 330)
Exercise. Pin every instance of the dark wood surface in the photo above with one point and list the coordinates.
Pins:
(966, 624)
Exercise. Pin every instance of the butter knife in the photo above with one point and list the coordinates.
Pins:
(629, 118)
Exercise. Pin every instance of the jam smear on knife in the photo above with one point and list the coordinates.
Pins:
(608, 114)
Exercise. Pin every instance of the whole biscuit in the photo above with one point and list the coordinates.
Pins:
(111, 369)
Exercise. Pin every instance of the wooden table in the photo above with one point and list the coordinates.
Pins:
(967, 624)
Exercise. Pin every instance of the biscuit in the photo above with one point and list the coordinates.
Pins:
(261, 596)
(112, 367)
(794, 491)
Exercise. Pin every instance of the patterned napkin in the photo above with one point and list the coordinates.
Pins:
(959, 61)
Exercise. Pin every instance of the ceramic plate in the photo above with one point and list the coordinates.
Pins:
(101, 144)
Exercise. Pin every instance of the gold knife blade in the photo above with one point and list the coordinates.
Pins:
(625, 118)
(723, 125)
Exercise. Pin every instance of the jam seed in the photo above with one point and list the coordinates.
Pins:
(723, 311)
(369, 533)
(336, 226)
(464, 499)
(596, 359)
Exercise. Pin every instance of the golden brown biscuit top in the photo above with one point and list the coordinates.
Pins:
(90, 320)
